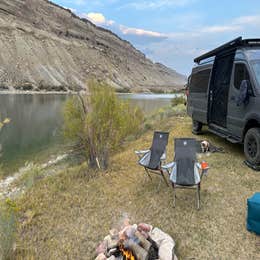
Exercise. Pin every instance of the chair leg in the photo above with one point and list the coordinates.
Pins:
(149, 175)
(198, 196)
(174, 195)
(161, 171)
(159, 185)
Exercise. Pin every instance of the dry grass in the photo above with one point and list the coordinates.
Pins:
(64, 217)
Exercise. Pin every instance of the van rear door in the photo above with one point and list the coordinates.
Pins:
(198, 93)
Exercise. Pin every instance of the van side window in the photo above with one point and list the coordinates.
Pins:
(199, 81)
(241, 74)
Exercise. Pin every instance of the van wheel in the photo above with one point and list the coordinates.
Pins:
(196, 127)
(252, 146)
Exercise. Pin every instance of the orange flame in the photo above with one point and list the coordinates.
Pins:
(126, 253)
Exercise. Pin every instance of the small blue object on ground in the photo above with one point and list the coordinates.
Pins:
(253, 213)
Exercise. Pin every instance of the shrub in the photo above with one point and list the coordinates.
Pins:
(100, 122)
(7, 229)
(2, 124)
(178, 100)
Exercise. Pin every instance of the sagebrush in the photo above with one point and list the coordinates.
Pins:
(100, 122)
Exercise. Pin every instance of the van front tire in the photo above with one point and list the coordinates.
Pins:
(196, 127)
(252, 146)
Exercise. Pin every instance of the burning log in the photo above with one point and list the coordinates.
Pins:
(127, 254)
(139, 252)
(143, 241)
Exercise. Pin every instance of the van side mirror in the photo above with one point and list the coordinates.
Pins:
(244, 93)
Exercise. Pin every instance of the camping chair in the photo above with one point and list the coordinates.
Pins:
(184, 171)
(153, 158)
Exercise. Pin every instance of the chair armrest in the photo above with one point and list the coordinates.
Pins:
(163, 157)
(141, 152)
(168, 166)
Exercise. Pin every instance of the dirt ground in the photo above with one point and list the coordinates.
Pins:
(65, 217)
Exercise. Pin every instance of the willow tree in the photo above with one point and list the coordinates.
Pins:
(100, 122)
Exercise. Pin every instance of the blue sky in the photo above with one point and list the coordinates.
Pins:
(173, 32)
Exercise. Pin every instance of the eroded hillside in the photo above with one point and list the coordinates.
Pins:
(46, 47)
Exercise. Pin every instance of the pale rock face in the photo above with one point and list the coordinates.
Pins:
(46, 47)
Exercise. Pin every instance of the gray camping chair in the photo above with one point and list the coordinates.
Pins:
(152, 159)
(185, 171)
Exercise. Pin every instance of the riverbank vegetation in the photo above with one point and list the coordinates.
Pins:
(7, 218)
(99, 122)
(8, 224)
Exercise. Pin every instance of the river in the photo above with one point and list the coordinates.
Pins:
(36, 121)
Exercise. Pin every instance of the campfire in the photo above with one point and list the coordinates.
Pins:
(136, 242)
(126, 253)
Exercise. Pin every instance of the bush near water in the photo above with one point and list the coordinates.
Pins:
(99, 122)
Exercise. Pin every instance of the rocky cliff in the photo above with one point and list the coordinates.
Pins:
(46, 47)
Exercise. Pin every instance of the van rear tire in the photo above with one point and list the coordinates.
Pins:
(252, 146)
(196, 127)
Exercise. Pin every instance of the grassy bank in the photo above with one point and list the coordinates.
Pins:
(66, 215)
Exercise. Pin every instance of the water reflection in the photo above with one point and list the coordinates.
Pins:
(149, 102)
(36, 120)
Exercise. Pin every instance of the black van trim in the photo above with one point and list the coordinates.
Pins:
(224, 133)
(232, 45)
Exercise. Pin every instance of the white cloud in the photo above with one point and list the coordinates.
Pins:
(140, 32)
(237, 25)
(248, 20)
(220, 28)
(98, 18)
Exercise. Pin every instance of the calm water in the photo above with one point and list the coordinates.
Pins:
(36, 121)
(149, 102)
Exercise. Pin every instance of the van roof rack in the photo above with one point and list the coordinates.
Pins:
(237, 42)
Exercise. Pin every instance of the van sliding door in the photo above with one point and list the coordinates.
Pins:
(219, 89)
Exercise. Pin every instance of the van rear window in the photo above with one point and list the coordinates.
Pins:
(199, 81)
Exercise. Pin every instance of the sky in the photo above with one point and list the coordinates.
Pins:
(173, 32)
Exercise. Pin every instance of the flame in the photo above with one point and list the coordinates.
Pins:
(126, 253)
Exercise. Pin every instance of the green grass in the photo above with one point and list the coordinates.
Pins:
(7, 229)
(66, 215)
(180, 100)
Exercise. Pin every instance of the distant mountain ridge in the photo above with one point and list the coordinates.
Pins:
(47, 47)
